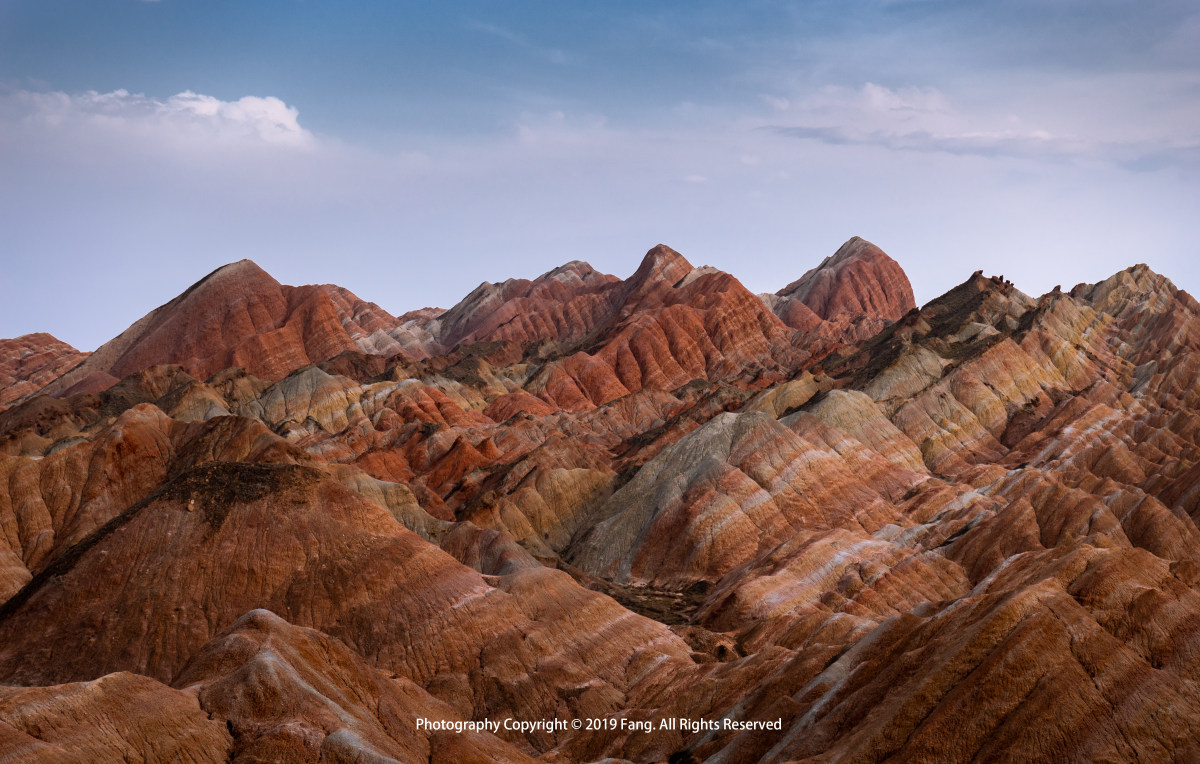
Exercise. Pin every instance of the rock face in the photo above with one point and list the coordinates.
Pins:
(118, 717)
(273, 523)
(30, 362)
(237, 316)
(857, 285)
(292, 694)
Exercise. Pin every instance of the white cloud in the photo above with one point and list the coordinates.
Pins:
(872, 107)
(909, 118)
(183, 120)
(269, 118)
(927, 100)
(923, 119)
(1010, 143)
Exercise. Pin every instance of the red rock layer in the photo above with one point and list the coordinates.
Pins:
(237, 316)
(118, 717)
(293, 694)
(564, 304)
(674, 324)
(165, 576)
(857, 281)
(30, 362)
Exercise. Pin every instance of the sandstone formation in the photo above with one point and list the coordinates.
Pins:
(292, 694)
(30, 362)
(117, 717)
(859, 285)
(237, 316)
(273, 523)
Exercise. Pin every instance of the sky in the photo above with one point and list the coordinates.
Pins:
(410, 150)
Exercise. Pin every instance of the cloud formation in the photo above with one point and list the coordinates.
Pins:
(923, 119)
(1008, 143)
(184, 118)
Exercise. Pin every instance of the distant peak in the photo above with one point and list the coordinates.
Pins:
(241, 269)
(1127, 286)
(662, 263)
(575, 266)
(245, 272)
(855, 248)
(573, 271)
(243, 266)
(39, 338)
(859, 279)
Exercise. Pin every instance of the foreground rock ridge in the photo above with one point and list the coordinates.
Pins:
(275, 523)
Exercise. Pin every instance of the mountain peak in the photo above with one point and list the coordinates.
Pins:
(661, 263)
(244, 263)
(242, 275)
(855, 247)
(36, 339)
(577, 268)
(858, 280)
(1136, 288)
(660, 270)
(230, 317)
(239, 268)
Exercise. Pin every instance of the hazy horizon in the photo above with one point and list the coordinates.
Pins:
(408, 153)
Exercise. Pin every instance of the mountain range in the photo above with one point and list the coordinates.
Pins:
(277, 523)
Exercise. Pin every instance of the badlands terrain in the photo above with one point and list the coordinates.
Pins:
(275, 523)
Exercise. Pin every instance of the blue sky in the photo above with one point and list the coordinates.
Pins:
(409, 151)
